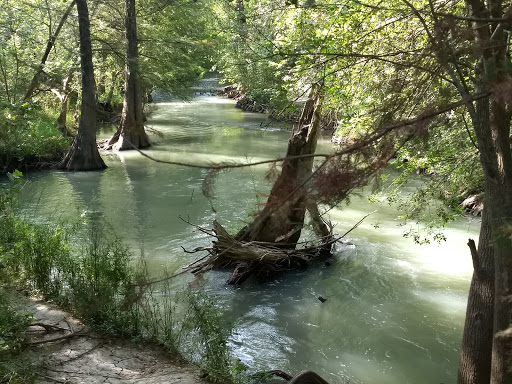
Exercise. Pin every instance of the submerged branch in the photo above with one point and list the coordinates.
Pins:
(357, 224)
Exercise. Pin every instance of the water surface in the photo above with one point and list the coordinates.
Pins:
(394, 310)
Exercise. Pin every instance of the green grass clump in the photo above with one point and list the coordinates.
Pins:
(28, 137)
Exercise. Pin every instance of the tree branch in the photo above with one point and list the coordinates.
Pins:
(477, 266)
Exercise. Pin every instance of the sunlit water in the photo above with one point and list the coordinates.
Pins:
(394, 310)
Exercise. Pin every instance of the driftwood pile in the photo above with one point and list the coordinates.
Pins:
(269, 244)
(260, 259)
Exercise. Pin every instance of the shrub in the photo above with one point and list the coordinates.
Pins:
(28, 135)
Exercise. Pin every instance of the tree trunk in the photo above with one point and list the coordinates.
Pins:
(49, 47)
(84, 155)
(494, 148)
(64, 97)
(501, 209)
(282, 218)
(62, 118)
(491, 122)
(131, 129)
(475, 354)
(110, 94)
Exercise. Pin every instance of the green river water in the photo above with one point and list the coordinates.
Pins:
(394, 311)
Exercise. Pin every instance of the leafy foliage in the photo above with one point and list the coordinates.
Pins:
(377, 66)
(28, 136)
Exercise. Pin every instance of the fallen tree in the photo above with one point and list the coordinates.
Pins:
(261, 259)
(270, 243)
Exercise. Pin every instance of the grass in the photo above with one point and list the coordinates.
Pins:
(28, 137)
(98, 280)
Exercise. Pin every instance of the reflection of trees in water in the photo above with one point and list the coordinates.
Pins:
(86, 188)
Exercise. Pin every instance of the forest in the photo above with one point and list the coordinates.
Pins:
(261, 187)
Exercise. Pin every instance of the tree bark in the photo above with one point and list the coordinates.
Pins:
(84, 155)
(476, 349)
(131, 132)
(282, 218)
(49, 47)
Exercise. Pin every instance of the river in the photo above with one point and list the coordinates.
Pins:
(394, 311)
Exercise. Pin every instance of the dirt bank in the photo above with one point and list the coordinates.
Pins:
(245, 103)
(64, 350)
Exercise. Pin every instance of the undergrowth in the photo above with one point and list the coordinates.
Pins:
(28, 136)
(100, 282)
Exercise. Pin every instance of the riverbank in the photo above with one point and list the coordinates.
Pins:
(64, 350)
(247, 104)
(32, 164)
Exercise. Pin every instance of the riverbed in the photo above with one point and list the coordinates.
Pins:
(394, 311)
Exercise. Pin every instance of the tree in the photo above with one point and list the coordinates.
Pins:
(48, 49)
(491, 118)
(487, 63)
(131, 132)
(432, 53)
(84, 155)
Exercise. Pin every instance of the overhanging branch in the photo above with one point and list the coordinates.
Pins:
(353, 148)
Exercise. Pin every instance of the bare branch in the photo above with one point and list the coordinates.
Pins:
(65, 337)
(471, 18)
(477, 266)
(357, 224)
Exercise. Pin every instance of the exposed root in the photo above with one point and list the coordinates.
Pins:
(257, 258)
(281, 374)
(47, 327)
(305, 377)
(60, 338)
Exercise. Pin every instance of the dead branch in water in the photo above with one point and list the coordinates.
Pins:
(257, 258)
